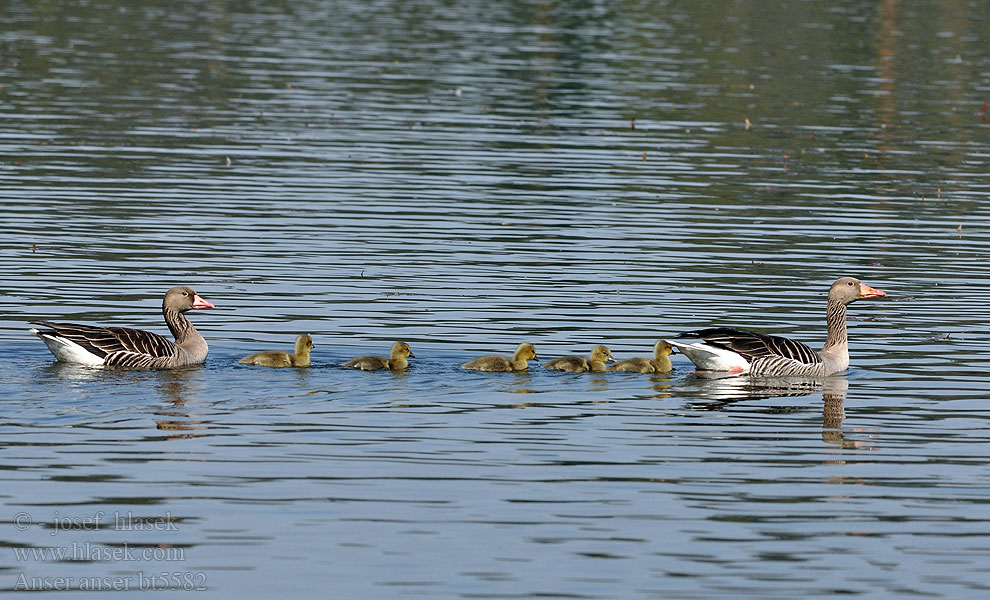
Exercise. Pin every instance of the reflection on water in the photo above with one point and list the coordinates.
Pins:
(724, 388)
(464, 176)
(721, 390)
(178, 417)
(833, 399)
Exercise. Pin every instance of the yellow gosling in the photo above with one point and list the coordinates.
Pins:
(277, 358)
(578, 364)
(659, 364)
(397, 361)
(492, 362)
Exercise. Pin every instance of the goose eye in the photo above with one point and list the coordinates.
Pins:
(187, 293)
(850, 283)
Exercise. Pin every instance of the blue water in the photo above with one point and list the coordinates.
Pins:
(465, 177)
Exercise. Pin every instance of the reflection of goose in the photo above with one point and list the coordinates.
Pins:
(660, 363)
(121, 346)
(736, 351)
(178, 417)
(277, 358)
(834, 397)
(492, 362)
(396, 362)
(578, 364)
(721, 389)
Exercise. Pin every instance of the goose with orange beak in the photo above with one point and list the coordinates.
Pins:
(738, 351)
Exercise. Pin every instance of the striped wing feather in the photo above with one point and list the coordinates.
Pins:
(754, 345)
(134, 360)
(105, 342)
(779, 366)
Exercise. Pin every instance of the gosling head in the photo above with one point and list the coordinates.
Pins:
(526, 351)
(304, 344)
(601, 354)
(402, 350)
(662, 348)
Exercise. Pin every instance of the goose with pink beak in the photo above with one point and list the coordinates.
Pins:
(124, 347)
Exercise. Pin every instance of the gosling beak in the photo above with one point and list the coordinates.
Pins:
(866, 291)
(411, 355)
(200, 303)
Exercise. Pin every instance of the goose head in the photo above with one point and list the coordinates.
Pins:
(850, 289)
(182, 298)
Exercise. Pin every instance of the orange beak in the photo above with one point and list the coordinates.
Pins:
(200, 303)
(866, 291)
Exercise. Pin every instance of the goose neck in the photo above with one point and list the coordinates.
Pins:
(178, 324)
(836, 320)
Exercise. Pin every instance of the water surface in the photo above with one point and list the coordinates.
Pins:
(463, 177)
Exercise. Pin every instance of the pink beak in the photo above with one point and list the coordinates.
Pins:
(200, 303)
(866, 291)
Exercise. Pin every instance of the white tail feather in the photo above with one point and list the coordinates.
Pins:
(711, 358)
(66, 350)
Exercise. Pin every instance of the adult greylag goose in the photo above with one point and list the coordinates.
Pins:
(725, 349)
(277, 358)
(396, 362)
(578, 364)
(492, 362)
(125, 347)
(660, 363)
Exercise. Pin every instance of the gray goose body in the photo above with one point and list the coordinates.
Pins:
(769, 355)
(126, 347)
(739, 351)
